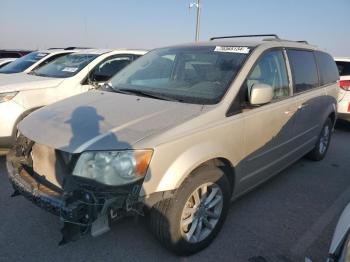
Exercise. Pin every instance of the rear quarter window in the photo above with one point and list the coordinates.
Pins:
(304, 69)
(327, 68)
(343, 68)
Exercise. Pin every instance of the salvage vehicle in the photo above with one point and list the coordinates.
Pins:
(5, 61)
(343, 64)
(177, 135)
(69, 75)
(34, 60)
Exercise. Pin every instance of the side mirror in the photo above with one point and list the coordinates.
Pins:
(106, 87)
(261, 94)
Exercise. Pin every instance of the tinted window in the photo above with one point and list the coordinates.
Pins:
(343, 68)
(271, 70)
(21, 64)
(199, 75)
(304, 69)
(109, 67)
(327, 68)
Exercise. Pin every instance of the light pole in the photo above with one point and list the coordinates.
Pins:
(198, 5)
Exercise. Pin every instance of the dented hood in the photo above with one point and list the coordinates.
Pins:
(103, 121)
(24, 81)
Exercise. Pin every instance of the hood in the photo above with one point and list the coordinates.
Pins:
(24, 81)
(103, 121)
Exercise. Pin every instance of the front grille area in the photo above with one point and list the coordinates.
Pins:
(39, 194)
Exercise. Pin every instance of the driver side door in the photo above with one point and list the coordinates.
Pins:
(268, 128)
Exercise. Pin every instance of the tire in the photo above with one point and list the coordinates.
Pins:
(323, 142)
(167, 215)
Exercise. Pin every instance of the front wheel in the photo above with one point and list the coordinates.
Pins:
(322, 145)
(188, 222)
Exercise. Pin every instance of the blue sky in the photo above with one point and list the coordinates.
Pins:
(155, 23)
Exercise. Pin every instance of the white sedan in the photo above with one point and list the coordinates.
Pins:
(69, 75)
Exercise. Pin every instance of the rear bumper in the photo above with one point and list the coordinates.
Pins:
(344, 116)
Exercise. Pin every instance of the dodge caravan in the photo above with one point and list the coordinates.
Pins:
(177, 135)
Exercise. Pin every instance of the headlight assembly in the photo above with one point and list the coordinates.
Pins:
(4, 97)
(113, 168)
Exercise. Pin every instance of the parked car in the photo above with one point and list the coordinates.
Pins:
(343, 64)
(5, 61)
(21, 94)
(181, 132)
(35, 60)
(340, 246)
(13, 53)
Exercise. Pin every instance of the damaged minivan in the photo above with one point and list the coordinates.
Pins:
(176, 136)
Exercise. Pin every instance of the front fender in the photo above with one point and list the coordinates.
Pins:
(169, 172)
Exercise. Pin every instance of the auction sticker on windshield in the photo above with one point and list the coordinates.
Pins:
(232, 49)
(70, 69)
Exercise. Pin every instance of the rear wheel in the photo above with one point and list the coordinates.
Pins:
(188, 222)
(322, 145)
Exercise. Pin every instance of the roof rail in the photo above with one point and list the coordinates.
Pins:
(302, 41)
(241, 36)
(76, 47)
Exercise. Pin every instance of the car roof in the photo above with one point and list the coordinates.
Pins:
(104, 51)
(267, 42)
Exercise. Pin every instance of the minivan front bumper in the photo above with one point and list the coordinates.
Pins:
(84, 207)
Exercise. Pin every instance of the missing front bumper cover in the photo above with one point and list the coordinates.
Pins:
(84, 206)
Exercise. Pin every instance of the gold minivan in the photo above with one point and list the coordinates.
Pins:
(176, 135)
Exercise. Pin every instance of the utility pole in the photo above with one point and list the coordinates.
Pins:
(198, 5)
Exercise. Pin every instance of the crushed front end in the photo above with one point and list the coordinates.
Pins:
(45, 177)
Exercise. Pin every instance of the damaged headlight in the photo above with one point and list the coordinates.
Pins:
(113, 167)
(4, 97)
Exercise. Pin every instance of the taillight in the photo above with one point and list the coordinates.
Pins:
(349, 107)
(345, 85)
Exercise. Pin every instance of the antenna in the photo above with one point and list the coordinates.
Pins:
(198, 5)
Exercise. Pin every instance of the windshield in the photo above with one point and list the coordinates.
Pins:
(198, 75)
(65, 66)
(21, 64)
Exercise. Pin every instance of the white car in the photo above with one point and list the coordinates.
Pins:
(36, 59)
(343, 64)
(21, 94)
(6, 61)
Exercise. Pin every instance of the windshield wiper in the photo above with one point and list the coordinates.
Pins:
(145, 94)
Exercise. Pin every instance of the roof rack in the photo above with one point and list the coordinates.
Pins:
(241, 36)
(76, 47)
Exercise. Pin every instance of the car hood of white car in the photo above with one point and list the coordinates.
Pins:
(98, 120)
(24, 81)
